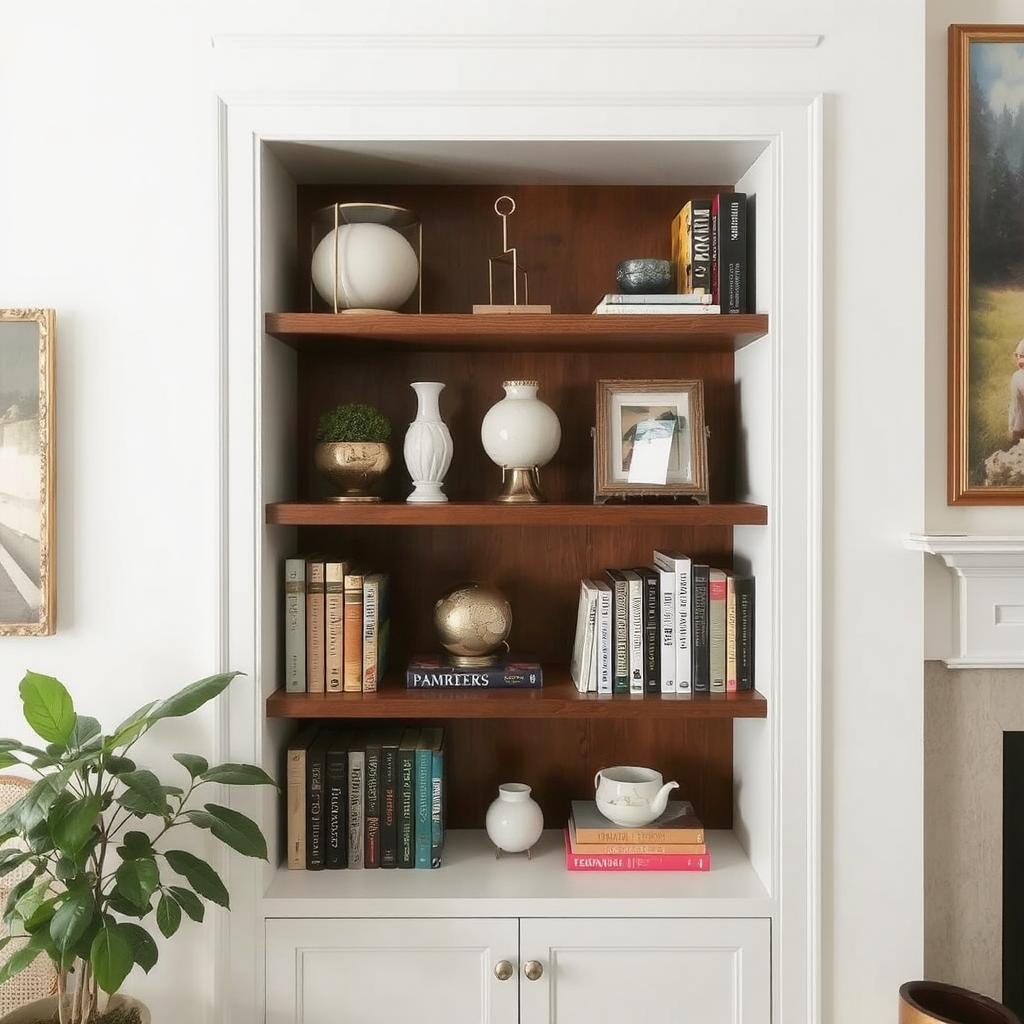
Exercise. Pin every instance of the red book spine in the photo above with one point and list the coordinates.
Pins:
(635, 861)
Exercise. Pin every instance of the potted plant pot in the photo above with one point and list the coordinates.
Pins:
(932, 1002)
(355, 468)
(121, 1009)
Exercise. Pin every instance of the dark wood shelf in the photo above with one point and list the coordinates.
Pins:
(492, 513)
(558, 699)
(518, 332)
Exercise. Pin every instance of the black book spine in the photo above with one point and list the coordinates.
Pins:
(732, 251)
(652, 632)
(371, 814)
(525, 676)
(406, 816)
(335, 827)
(700, 244)
(701, 651)
(315, 808)
(620, 631)
(389, 807)
(744, 633)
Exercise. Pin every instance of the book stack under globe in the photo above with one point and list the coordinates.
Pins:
(673, 842)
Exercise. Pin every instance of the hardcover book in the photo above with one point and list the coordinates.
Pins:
(677, 825)
(295, 795)
(655, 308)
(581, 667)
(577, 861)
(663, 299)
(716, 629)
(356, 786)
(371, 846)
(603, 656)
(730, 633)
(652, 638)
(437, 804)
(744, 633)
(697, 227)
(682, 566)
(729, 251)
(316, 614)
(635, 594)
(667, 633)
(336, 803)
(429, 741)
(353, 681)
(316, 761)
(620, 630)
(389, 798)
(429, 672)
(699, 630)
(371, 627)
(675, 848)
(334, 601)
(295, 625)
(406, 794)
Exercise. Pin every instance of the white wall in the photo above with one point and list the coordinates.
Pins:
(107, 212)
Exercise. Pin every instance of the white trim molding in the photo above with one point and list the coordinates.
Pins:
(988, 618)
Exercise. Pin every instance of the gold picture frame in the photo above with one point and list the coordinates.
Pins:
(985, 454)
(621, 405)
(27, 512)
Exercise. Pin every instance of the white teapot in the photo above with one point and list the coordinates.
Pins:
(630, 796)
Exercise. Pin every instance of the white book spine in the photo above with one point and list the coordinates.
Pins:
(636, 634)
(371, 602)
(667, 635)
(582, 652)
(684, 638)
(356, 762)
(604, 639)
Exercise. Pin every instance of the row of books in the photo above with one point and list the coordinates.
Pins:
(365, 798)
(673, 627)
(336, 625)
(674, 842)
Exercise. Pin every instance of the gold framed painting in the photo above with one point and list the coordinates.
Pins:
(26, 472)
(656, 415)
(986, 265)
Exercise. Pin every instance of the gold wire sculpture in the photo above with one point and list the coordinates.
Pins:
(504, 207)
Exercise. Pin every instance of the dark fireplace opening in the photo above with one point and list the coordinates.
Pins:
(1013, 871)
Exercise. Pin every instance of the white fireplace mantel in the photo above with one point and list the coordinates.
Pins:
(988, 620)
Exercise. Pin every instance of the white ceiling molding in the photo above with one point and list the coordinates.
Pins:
(413, 41)
(988, 618)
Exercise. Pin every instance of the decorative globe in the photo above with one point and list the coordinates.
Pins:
(377, 267)
(473, 621)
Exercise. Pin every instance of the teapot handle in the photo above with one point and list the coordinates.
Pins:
(597, 777)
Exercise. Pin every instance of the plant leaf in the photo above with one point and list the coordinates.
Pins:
(135, 845)
(9, 863)
(192, 697)
(8, 760)
(86, 729)
(118, 903)
(32, 808)
(47, 707)
(17, 962)
(192, 763)
(71, 921)
(201, 819)
(168, 916)
(144, 950)
(199, 875)
(130, 729)
(111, 957)
(16, 893)
(143, 794)
(73, 826)
(119, 765)
(241, 833)
(31, 900)
(238, 775)
(188, 901)
(137, 880)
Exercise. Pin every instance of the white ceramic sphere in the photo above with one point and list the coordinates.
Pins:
(514, 821)
(377, 266)
(520, 430)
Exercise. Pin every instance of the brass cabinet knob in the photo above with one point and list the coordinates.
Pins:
(533, 969)
(503, 970)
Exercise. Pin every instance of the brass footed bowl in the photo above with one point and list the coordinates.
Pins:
(355, 468)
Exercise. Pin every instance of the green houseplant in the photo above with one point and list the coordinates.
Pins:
(352, 450)
(97, 835)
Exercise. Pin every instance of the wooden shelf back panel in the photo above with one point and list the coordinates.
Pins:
(485, 513)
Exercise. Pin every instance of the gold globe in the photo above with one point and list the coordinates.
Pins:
(473, 622)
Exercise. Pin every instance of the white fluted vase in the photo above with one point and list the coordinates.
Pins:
(428, 445)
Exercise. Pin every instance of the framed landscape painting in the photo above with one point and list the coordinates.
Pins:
(986, 265)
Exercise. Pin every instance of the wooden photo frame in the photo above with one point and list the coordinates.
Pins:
(985, 464)
(621, 406)
(27, 517)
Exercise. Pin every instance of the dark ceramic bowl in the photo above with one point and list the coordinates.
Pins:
(646, 277)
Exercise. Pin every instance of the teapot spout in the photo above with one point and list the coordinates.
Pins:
(660, 802)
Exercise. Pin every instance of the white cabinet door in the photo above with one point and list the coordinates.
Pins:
(608, 971)
(383, 971)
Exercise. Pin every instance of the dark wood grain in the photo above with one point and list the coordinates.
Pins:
(490, 513)
(522, 332)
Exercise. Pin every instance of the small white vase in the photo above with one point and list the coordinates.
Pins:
(428, 445)
(514, 821)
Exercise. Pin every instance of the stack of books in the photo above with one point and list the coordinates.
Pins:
(674, 842)
(365, 798)
(676, 305)
(674, 627)
(336, 625)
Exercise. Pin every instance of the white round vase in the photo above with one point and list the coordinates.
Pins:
(428, 445)
(514, 821)
(520, 430)
(377, 268)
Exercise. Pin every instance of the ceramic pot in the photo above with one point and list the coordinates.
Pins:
(646, 277)
(520, 433)
(428, 445)
(514, 821)
(46, 1010)
(354, 467)
(931, 1002)
(631, 796)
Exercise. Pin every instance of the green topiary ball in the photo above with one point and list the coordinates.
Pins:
(353, 422)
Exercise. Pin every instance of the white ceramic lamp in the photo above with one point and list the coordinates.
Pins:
(521, 433)
(377, 268)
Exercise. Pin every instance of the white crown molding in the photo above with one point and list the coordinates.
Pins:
(988, 618)
(505, 41)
